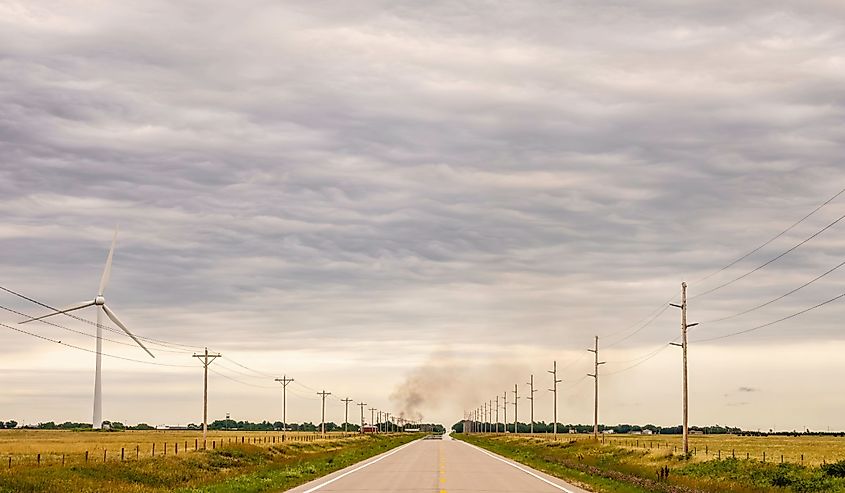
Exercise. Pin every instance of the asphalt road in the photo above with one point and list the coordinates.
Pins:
(440, 466)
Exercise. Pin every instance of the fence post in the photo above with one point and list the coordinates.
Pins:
(764, 456)
(196, 443)
(10, 462)
(39, 459)
(104, 455)
(63, 460)
(154, 449)
(213, 444)
(121, 454)
(176, 448)
(86, 456)
(137, 451)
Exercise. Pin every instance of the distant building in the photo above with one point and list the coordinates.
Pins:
(696, 432)
(608, 432)
(648, 432)
(369, 429)
(572, 431)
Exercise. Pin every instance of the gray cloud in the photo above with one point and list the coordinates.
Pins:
(326, 175)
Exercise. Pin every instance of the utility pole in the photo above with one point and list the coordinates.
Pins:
(346, 414)
(683, 346)
(363, 405)
(379, 421)
(515, 408)
(555, 381)
(323, 394)
(505, 408)
(497, 413)
(596, 402)
(531, 398)
(372, 417)
(284, 381)
(205, 362)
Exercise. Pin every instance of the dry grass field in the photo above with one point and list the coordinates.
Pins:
(69, 447)
(807, 450)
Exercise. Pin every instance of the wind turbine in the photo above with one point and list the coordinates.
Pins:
(100, 302)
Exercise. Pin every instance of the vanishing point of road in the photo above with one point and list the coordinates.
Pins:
(439, 466)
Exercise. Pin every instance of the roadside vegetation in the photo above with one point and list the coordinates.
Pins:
(234, 468)
(614, 468)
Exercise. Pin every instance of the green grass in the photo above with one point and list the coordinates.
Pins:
(233, 469)
(619, 469)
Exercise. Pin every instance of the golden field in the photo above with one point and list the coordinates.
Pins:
(809, 450)
(56, 446)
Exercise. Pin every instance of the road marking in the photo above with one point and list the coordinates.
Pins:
(526, 471)
(347, 473)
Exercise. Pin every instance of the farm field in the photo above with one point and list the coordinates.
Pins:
(234, 467)
(632, 463)
(807, 450)
(21, 447)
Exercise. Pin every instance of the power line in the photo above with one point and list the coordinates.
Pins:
(776, 299)
(768, 324)
(649, 322)
(91, 322)
(11, 310)
(240, 381)
(55, 341)
(773, 238)
(728, 283)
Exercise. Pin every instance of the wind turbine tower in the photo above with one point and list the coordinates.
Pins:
(100, 302)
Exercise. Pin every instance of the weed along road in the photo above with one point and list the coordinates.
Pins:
(440, 466)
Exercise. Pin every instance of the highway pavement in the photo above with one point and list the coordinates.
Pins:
(439, 466)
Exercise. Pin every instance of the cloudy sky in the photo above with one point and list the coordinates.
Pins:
(418, 204)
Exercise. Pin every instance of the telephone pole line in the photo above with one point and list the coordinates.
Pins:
(683, 346)
(596, 402)
(515, 408)
(323, 394)
(363, 405)
(204, 359)
(284, 381)
(497, 413)
(372, 417)
(346, 414)
(531, 398)
(555, 381)
(505, 408)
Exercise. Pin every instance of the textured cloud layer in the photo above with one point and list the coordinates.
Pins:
(377, 179)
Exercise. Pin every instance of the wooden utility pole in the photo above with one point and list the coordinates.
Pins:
(515, 408)
(531, 398)
(555, 381)
(596, 400)
(497, 414)
(372, 417)
(323, 394)
(346, 414)
(505, 408)
(284, 381)
(204, 359)
(683, 346)
(363, 405)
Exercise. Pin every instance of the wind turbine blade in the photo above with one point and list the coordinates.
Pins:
(104, 281)
(117, 321)
(63, 310)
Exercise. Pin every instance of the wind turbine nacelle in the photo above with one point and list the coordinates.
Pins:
(99, 301)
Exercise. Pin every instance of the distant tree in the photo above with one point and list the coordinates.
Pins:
(145, 426)
(11, 424)
(49, 425)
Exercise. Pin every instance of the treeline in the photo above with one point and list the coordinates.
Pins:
(217, 425)
(543, 427)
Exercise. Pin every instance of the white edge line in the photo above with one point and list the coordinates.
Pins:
(526, 471)
(347, 473)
